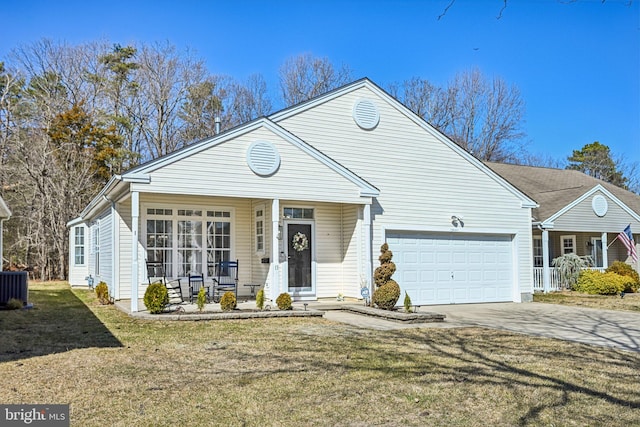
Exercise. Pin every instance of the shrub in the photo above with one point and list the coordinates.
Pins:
(386, 296)
(388, 292)
(260, 299)
(202, 298)
(228, 301)
(569, 267)
(102, 292)
(624, 269)
(407, 302)
(284, 301)
(156, 298)
(597, 283)
(14, 304)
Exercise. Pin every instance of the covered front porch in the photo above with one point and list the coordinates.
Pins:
(311, 250)
(600, 248)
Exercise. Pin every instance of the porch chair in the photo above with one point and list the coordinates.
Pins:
(196, 282)
(156, 273)
(225, 279)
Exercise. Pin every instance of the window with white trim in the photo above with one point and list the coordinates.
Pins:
(184, 238)
(568, 245)
(298, 213)
(218, 239)
(160, 238)
(260, 230)
(78, 246)
(537, 251)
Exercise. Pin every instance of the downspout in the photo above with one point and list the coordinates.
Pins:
(1, 232)
(115, 294)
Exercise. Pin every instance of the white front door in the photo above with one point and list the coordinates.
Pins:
(300, 244)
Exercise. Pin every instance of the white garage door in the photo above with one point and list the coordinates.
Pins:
(452, 268)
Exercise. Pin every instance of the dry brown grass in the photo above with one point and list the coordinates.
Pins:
(115, 370)
(630, 302)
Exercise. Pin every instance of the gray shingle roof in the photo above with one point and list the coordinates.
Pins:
(554, 189)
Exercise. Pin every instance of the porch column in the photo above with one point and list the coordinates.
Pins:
(275, 249)
(605, 250)
(135, 216)
(368, 244)
(546, 271)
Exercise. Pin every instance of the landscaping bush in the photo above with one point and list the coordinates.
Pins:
(260, 299)
(569, 267)
(386, 296)
(624, 269)
(228, 301)
(156, 298)
(284, 301)
(202, 298)
(102, 292)
(387, 292)
(14, 304)
(597, 283)
(407, 302)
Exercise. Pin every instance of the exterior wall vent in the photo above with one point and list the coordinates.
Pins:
(599, 205)
(263, 158)
(365, 114)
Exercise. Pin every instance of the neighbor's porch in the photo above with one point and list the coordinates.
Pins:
(601, 248)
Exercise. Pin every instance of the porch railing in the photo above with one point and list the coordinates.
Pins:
(554, 284)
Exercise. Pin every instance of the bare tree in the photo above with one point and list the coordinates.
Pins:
(304, 76)
(481, 115)
(164, 79)
(248, 101)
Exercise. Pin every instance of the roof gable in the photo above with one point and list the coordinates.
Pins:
(366, 189)
(300, 109)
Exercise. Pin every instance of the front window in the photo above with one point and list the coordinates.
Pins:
(182, 239)
(78, 247)
(568, 244)
(537, 251)
(218, 239)
(160, 239)
(260, 230)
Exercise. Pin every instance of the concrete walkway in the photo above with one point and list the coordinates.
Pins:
(618, 329)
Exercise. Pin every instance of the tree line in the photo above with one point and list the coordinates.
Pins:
(71, 116)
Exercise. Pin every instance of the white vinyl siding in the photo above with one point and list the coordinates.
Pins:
(422, 181)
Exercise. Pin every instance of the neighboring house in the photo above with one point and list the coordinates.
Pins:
(304, 199)
(577, 214)
(5, 214)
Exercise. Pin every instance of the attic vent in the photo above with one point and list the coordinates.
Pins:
(365, 114)
(263, 158)
(599, 205)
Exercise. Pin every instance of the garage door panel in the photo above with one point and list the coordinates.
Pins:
(453, 268)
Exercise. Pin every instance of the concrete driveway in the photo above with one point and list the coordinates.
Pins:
(618, 329)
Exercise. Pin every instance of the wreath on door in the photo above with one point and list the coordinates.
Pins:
(300, 242)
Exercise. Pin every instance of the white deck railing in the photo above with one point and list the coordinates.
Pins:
(554, 285)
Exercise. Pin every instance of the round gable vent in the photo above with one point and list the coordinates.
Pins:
(263, 158)
(599, 205)
(365, 114)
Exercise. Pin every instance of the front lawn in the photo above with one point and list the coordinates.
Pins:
(118, 371)
(630, 302)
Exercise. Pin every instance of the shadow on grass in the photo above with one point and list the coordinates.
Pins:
(58, 322)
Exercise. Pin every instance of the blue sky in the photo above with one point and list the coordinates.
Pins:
(577, 64)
